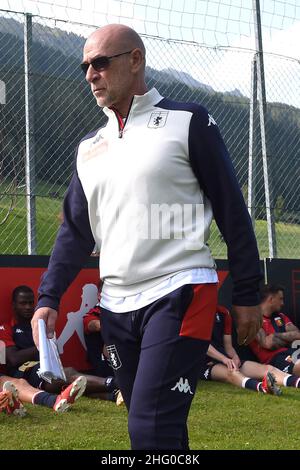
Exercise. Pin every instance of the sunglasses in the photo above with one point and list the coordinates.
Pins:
(100, 63)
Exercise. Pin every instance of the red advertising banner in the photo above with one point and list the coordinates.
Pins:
(78, 300)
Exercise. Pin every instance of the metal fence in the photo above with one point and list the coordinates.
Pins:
(41, 124)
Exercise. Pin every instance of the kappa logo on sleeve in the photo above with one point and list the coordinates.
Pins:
(211, 121)
(158, 119)
(114, 357)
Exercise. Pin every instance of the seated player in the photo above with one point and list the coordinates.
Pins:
(22, 355)
(224, 364)
(273, 343)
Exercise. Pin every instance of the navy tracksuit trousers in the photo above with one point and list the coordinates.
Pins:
(157, 353)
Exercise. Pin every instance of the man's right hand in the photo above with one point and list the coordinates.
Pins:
(248, 321)
(49, 315)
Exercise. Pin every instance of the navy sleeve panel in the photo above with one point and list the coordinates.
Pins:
(214, 170)
(73, 245)
(86, 137)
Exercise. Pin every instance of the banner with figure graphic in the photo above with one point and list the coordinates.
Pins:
(82, 296)
(78, 300)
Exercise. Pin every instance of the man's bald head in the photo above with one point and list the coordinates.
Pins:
(113, 38)
(121, 74)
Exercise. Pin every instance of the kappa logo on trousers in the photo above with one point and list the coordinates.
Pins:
(183, 386)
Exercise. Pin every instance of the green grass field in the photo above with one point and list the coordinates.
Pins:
(13, 238)
(222, 417)
(13, 231)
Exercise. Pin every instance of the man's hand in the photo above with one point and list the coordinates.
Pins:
(229, 363)
(236, 360)
(248, 320)
(49, 315)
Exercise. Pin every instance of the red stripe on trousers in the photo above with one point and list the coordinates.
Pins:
(199, 318)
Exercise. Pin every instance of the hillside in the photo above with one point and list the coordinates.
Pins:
(65, 111)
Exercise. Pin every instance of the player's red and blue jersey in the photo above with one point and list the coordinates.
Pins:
(276, 323)
(6, 336)
(222, 326)
(93, 314)
(16, 334)
(95, 344)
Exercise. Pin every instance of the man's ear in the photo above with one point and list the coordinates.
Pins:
(137, 59)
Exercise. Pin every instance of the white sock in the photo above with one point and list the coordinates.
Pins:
(32, 399)
(285, 380)
(244, 381)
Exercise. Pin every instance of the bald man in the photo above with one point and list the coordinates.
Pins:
(145, 188)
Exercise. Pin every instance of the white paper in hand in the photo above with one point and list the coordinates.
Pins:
(50, 364)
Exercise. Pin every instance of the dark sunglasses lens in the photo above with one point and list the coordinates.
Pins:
(84, 68)
(98, 64)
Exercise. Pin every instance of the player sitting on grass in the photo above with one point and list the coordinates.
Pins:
(275, 341)
(22, 356)
(224, 364)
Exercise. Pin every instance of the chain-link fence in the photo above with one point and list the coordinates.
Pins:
(62, 110)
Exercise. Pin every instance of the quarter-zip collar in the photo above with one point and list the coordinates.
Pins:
(121, 121)
(138, 102)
